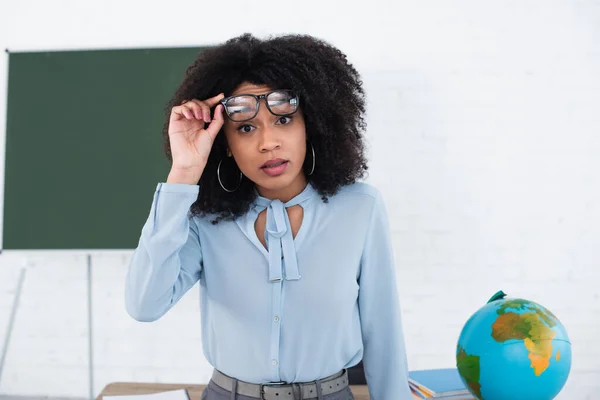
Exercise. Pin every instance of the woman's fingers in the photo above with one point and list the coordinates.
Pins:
(197, 108)
(191, 110)
(183, 111)
(200, 109)
(215, 126)
(204, 109)
(213, 101)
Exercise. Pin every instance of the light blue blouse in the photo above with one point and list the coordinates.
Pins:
(301, 310)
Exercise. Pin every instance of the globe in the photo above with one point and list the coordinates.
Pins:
(513, 349)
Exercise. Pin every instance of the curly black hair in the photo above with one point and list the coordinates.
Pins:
(332, 100)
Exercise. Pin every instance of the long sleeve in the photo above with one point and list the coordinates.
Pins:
(384, 358)
(168, 259)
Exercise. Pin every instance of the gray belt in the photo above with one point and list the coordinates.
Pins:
(283, 390)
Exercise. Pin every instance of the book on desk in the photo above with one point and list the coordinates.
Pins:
(441, 383)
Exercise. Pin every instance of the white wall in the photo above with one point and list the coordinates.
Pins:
(483, 125)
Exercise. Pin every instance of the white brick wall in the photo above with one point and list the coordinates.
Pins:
(483, 136)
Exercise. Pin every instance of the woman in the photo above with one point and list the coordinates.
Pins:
(263, 207)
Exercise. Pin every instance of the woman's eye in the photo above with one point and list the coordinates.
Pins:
(245, 128)
(284, 120)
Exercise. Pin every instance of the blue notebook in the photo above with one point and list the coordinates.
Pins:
(442, 381)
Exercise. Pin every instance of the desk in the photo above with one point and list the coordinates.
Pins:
(360, 392)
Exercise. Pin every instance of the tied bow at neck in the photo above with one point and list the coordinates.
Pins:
(281, 247)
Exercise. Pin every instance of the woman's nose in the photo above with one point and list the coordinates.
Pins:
(268, 139)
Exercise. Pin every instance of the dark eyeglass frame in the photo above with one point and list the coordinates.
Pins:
(258, 99)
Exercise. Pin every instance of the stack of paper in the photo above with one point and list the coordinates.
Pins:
(442, 383)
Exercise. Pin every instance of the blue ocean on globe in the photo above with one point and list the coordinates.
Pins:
(513, 349)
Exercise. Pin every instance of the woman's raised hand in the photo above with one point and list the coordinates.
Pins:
(190, 140)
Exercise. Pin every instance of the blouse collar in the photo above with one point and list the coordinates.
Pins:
(281, 247)
(302, 197)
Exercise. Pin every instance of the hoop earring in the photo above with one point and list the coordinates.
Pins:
(221, 183)
(313, 159)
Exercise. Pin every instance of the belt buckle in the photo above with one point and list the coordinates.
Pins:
(262, 386)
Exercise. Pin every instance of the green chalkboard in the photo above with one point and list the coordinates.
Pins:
(83, 144)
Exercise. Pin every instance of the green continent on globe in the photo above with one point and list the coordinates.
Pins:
(468, 367)
(527, 306)
(534, 327)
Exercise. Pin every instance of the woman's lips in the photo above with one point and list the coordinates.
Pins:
(275, 169)
(272, 162)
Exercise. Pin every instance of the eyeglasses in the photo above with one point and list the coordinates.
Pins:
(244, 107)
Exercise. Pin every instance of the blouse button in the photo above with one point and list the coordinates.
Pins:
(274, 362)
(276, 319)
